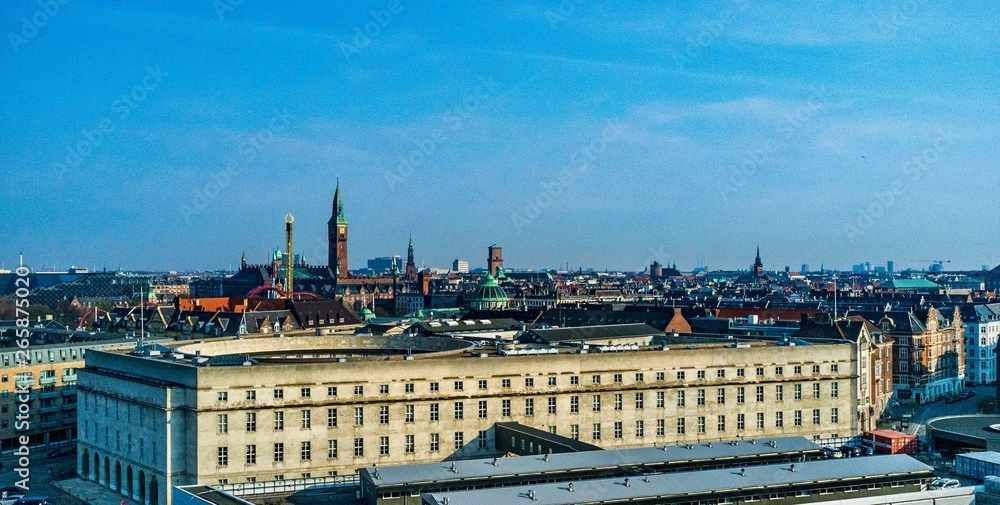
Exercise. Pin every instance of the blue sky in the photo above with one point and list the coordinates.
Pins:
(606, 135)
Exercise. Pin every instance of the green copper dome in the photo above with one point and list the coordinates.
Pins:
(489, 295)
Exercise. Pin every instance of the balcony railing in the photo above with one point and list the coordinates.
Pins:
(48, 394)
(68, 392)
(25, 382)
(50, 409)
(48, 380)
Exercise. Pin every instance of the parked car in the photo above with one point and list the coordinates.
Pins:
(952, 399)
(850, 451)
(867, 450)
(63, 451)
(944, 483)
(830, 452)
(10, 495)
(33, 500)
(967, 393)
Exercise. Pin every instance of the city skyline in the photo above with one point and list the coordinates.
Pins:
(177, 137)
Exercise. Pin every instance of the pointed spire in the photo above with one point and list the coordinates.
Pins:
(338, 207)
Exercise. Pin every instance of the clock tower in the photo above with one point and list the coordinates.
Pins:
(337, 229)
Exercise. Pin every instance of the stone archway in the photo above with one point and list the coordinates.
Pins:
(107, 472)
(97, 467)
(85, 464)
(116, 483)
(154, 491)
(142, 487)
(129, 483)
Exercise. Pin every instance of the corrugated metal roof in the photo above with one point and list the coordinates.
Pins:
(533, 465)
(666, 485)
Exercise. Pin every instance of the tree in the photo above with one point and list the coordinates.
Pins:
(988, 405)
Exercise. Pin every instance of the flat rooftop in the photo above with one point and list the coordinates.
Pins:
(758, 479)
(579, 461)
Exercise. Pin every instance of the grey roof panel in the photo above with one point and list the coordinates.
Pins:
(564, 462)
(666, 485)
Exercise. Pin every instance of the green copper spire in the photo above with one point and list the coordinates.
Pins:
(338, 207)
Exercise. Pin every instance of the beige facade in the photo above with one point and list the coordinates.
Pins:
(312, 415)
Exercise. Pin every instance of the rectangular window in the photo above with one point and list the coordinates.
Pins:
(640, 400)
(779, 419)
(596, 434)
(222, 454)
(223, 424)
(815, 416)
(383, 389)
(680, 398)
(383, 414)
(680, 375)
(552, 381)
(359, 416)
(597, 403)
(798, 391)
(459, 440)
(721, 373)
(741, 422)
(661, 399)
(740, 395)
(815, 369)
(306, 419)
(482, 409)
(279, 452)
(701, 424)
(835, 415)
(251, 422)
(435, 387)
(359, 447)
(618, 378)
(529, 406)
(459, 385)
(251, 395)
(459, 411)
(552, 405)
(834, 390)
(223, 395)
(251, 458)
(618, 401)
(408, 387)
(640, 429)
(410, 444)
(661, 376)
(383, 446)
(574, 404)
(505, 408)
(640, 377)
(701, 374)
(618, 430)
(482, 439)
(529, 382)
(720, 395)
(721, 425)
(797, 369)
(332, 391)
(834, 368)
(760, 371)
(505, 383)
(741, 372)
(596, 379)
(779, 393)
(816, 390)
(435, 442)
(680, 426)
(760, 420)
(779, 370)
(279, 394)
(661, 427)
(435, 412)
(701, 397)
(574, 431)
(798, 418)
(279, 421)
(482, 384)
(306, 392)
(331, 418)
(574, 380)
(760, 393)
(305, 451)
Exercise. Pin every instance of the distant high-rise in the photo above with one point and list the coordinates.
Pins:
(461, 266)
(805, 268)
(891, 267)
(495, 259)
(384, 265)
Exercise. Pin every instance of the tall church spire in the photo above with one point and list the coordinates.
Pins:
(337, 228)
(338, 207)
(411, 265)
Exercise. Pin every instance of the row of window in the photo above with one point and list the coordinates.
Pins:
(483, 384)
(333, 448)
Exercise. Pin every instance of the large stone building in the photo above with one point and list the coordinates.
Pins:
(267, 409)
(982, 329)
